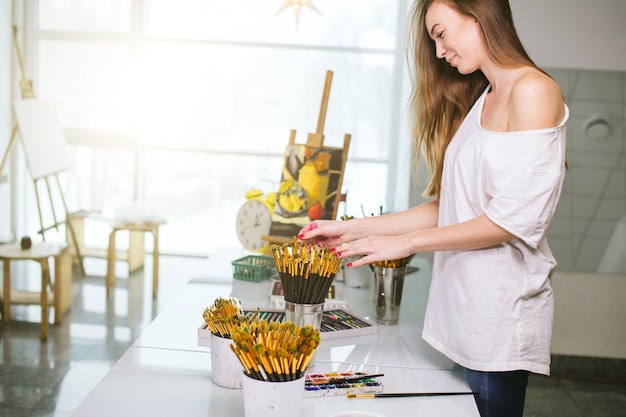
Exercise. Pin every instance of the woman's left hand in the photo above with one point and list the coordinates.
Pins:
(375, 248)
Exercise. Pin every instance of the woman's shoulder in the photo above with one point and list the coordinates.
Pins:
(536, 102)
(532, 83)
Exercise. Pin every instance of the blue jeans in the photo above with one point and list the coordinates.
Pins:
(499, 394)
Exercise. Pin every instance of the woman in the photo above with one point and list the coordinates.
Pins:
(491, 127)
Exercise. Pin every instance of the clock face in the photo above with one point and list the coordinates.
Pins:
(253, 221)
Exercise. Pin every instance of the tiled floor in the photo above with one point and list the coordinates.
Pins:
(51, 378)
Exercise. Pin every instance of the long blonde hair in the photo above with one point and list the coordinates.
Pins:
(441, 97)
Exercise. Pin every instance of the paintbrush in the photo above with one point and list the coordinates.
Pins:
(306, 270)
(394, 263)
(272, 351)
(408, 394)
(224, 315)
(345, 379)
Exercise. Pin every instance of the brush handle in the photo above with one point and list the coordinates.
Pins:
(421, 394)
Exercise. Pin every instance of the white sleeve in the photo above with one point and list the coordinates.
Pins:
(524, 180)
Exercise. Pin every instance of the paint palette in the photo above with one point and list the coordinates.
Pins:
(340, 383)
(336, 323)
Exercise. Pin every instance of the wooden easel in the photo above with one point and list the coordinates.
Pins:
(316, 140)
(26, 87)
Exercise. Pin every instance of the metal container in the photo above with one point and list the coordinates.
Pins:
(388, 284)
(303, 314)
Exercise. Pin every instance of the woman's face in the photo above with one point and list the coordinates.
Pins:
(457, 37)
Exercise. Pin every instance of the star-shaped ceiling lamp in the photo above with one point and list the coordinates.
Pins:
(297, 7)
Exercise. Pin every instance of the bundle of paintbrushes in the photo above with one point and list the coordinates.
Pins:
(394, 263)
(306, 270)
(224, 316)
(275, 351)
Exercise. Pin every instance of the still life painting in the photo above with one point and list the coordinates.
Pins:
(309, 188)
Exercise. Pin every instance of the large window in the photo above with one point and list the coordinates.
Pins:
(184, 105)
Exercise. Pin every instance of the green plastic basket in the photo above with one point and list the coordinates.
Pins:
(253, 268)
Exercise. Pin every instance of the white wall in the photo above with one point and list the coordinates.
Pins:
(589, 315)
(590, 309)
(580, 34)
(6, 51)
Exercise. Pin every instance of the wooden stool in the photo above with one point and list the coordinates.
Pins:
(134, 255)
(61, 296)
(147, 227)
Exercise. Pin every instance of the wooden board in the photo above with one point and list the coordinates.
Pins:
(42, 136)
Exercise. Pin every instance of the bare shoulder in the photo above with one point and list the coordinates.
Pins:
(536, 102)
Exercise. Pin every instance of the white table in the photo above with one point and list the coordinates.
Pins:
(167, 373)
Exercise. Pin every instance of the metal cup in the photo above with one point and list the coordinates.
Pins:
(303, 314)
(388, 283)
(358, 277)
